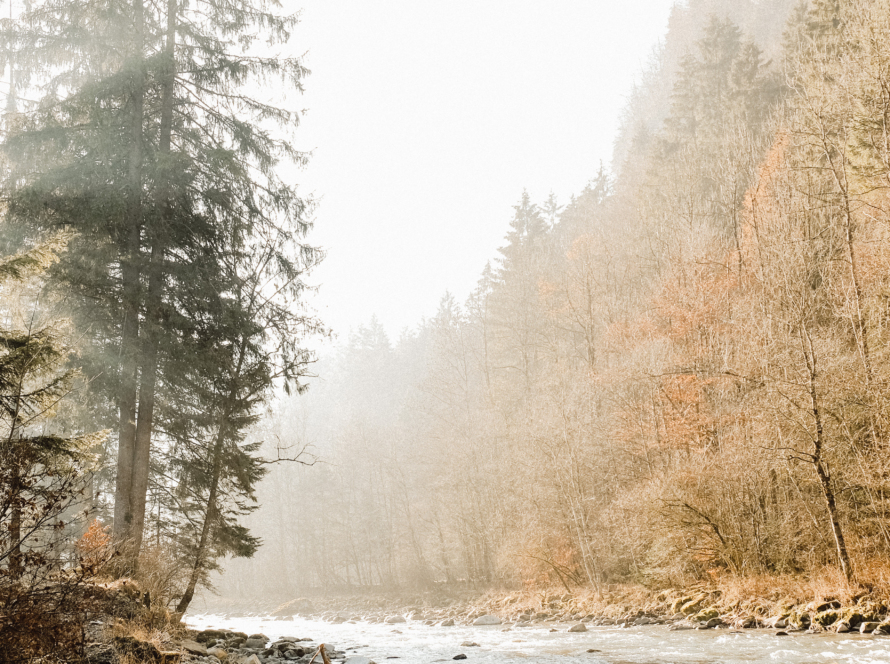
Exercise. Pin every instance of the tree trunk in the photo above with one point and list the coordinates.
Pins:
(130, 253)
(154, 301)
(818, 462)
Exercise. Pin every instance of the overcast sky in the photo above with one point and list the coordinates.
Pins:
(427, 119)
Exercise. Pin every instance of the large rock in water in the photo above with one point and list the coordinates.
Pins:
(487, 620)
(393, 620)
(580, 627)
(358, 659)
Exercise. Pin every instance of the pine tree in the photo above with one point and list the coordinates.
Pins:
(147, 145)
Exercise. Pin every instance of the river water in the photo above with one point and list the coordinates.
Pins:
(416, 643)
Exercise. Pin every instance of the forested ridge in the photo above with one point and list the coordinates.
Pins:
(676, 376)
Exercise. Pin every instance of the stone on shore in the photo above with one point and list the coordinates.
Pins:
(394, 620)
(868, 627)
(580, 627)
(487, 620)
(193, 647)
(254, 643)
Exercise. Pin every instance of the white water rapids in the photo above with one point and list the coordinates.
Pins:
(416, 643)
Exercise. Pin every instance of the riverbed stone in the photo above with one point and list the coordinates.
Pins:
(580, 627)
(868, 627)
(842, 627)
(882, 630)
(448, 622)
(469, 644)
(359, 659)
(461, 656)
(487, 620)
(255, 643)
(219, 653)
(394, 620)
(193, 647)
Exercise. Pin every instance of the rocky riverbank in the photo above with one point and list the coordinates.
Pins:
(696, 608)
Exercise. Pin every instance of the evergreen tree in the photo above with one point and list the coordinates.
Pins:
(146, 144)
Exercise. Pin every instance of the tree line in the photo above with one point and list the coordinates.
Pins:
(678, 374)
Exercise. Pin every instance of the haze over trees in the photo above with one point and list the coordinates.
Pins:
(676, 374)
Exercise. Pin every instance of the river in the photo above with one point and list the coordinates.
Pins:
(416, 643)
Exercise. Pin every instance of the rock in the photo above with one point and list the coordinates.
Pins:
(580, 627)
(219, 653)
(747, 622)
(417, 615)
(842, 627)
(193, 647)
(253, 659)
(868, 627)
(394, 620)
(469, 644)
(693, 605)
(259, 636)
(255, 644)
(487, 620)
(882, 630)
(677, 627)
(358, 659)
(781, 633)
(212, 635)
(447, 623)
(461, 656)
(826, 618)
(706, 614)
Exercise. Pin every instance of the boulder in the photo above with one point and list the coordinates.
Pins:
(193, 647)
(259, 636)
(826, 618)
(255, 644)
(580, 627)
(447, 623)
(487, 620)
(461, 656)
(882, 630)
(219, 653)
(842, 627)
(394, 620)
(868, 627)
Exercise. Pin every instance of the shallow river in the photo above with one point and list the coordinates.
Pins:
(416, 643)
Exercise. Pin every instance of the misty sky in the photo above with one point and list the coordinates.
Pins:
(427, 118)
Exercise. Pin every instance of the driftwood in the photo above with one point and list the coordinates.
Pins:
(324, 655)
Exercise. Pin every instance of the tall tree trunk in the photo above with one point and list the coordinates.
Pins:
(210, 512)
(154, 299)
(817, 458)
(130, 270)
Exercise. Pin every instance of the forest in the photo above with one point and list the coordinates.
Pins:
(674, 377)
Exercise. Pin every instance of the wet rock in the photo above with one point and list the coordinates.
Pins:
(358, 659)
(868, 627)
(677, 627)
(447, 623)
(580, 627)
(487, 620)
(882, 630)
(781, 633)
(842, 627)
(394, 620)
(263, 637)
(461, 656)
(469, 644)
